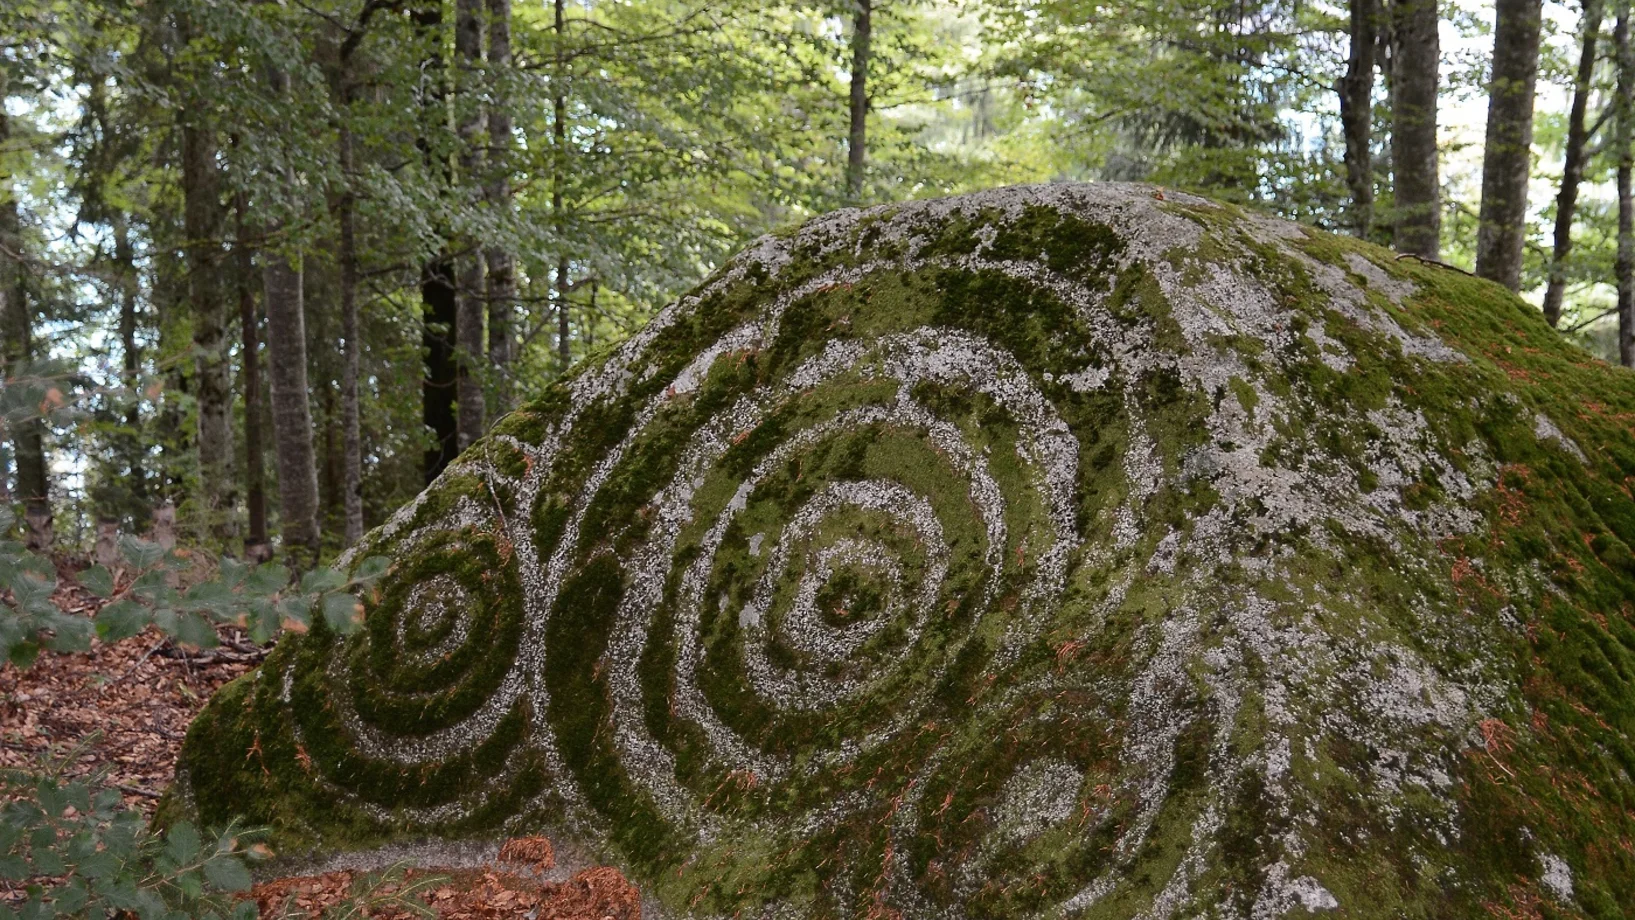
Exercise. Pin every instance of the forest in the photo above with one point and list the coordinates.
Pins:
(266, 267)
(1245, 446)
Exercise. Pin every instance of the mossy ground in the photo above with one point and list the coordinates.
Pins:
(1522, 614)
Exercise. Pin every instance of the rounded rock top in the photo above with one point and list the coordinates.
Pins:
(1067, 550)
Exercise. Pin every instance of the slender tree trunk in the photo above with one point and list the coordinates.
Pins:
(1507, 158)
(468, 332)
(1415, 60)
(1572, 172)
(857, 142)
(501, 277)
(351, 335)
(28, 438)
(202, 220)
(559, 161)
(1624, 128)
(256, 546)
(345, 207)
(438, 300)
(16, 323)
(1356, 92)
(292, 416)
(564, 344)
(130, 354)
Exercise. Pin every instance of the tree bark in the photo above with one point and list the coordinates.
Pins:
(1416, 56)
(501, 276)
(16, 322)
(559, 161)
(256, 545)
(1572, 172)
(352, 343)
(564, 344)
(1623, 129)
(292, 416)
(202, 224)
(438, 300)
(437, 390)
(1507, 156)
(857, 139)
(1356, 92)
(468, 332)
(130, 354)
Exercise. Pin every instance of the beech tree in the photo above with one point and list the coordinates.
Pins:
(1508, 152)
(1572, 171)
(1415, 62)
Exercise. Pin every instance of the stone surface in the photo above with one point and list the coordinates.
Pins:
(1063, 550)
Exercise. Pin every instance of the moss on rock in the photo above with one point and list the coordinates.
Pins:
(1052, 551)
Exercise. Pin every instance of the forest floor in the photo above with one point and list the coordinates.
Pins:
(118, 713)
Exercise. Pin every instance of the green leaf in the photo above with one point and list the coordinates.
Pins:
(193, 630)
(210, 595)
(342, 612)
(322, 579)
(227, 873)
(71, 634)
(139, 552)
(182, 843)
(97, 580)
(370, 569)
(121, 620)
(266, 580)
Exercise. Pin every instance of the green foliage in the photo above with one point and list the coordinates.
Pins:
(77, 851)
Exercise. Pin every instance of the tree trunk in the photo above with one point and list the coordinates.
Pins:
(202, 222)
(501, 277)
(256, 545)
(1572, 172)
(1624, 128)
(1507, 157)
(1356, 92)
(1415, 59)
(437, 390)
(130, 354)
(352, 344)
(564, 345)
(559, 161)
(292, 416)
(857, 142)
(28, 437)
(468, 331)
(438, 301)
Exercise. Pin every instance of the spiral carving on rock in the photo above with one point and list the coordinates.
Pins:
(950, 559)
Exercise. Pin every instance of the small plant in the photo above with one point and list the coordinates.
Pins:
(75, 851)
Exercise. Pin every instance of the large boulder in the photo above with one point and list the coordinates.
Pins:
(1087, 550)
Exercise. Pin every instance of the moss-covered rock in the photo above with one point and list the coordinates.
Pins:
(1063, 550)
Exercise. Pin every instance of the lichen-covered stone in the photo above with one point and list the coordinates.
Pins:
(1065, 550)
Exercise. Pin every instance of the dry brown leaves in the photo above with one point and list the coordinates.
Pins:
(124, 708)
(595, 894)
